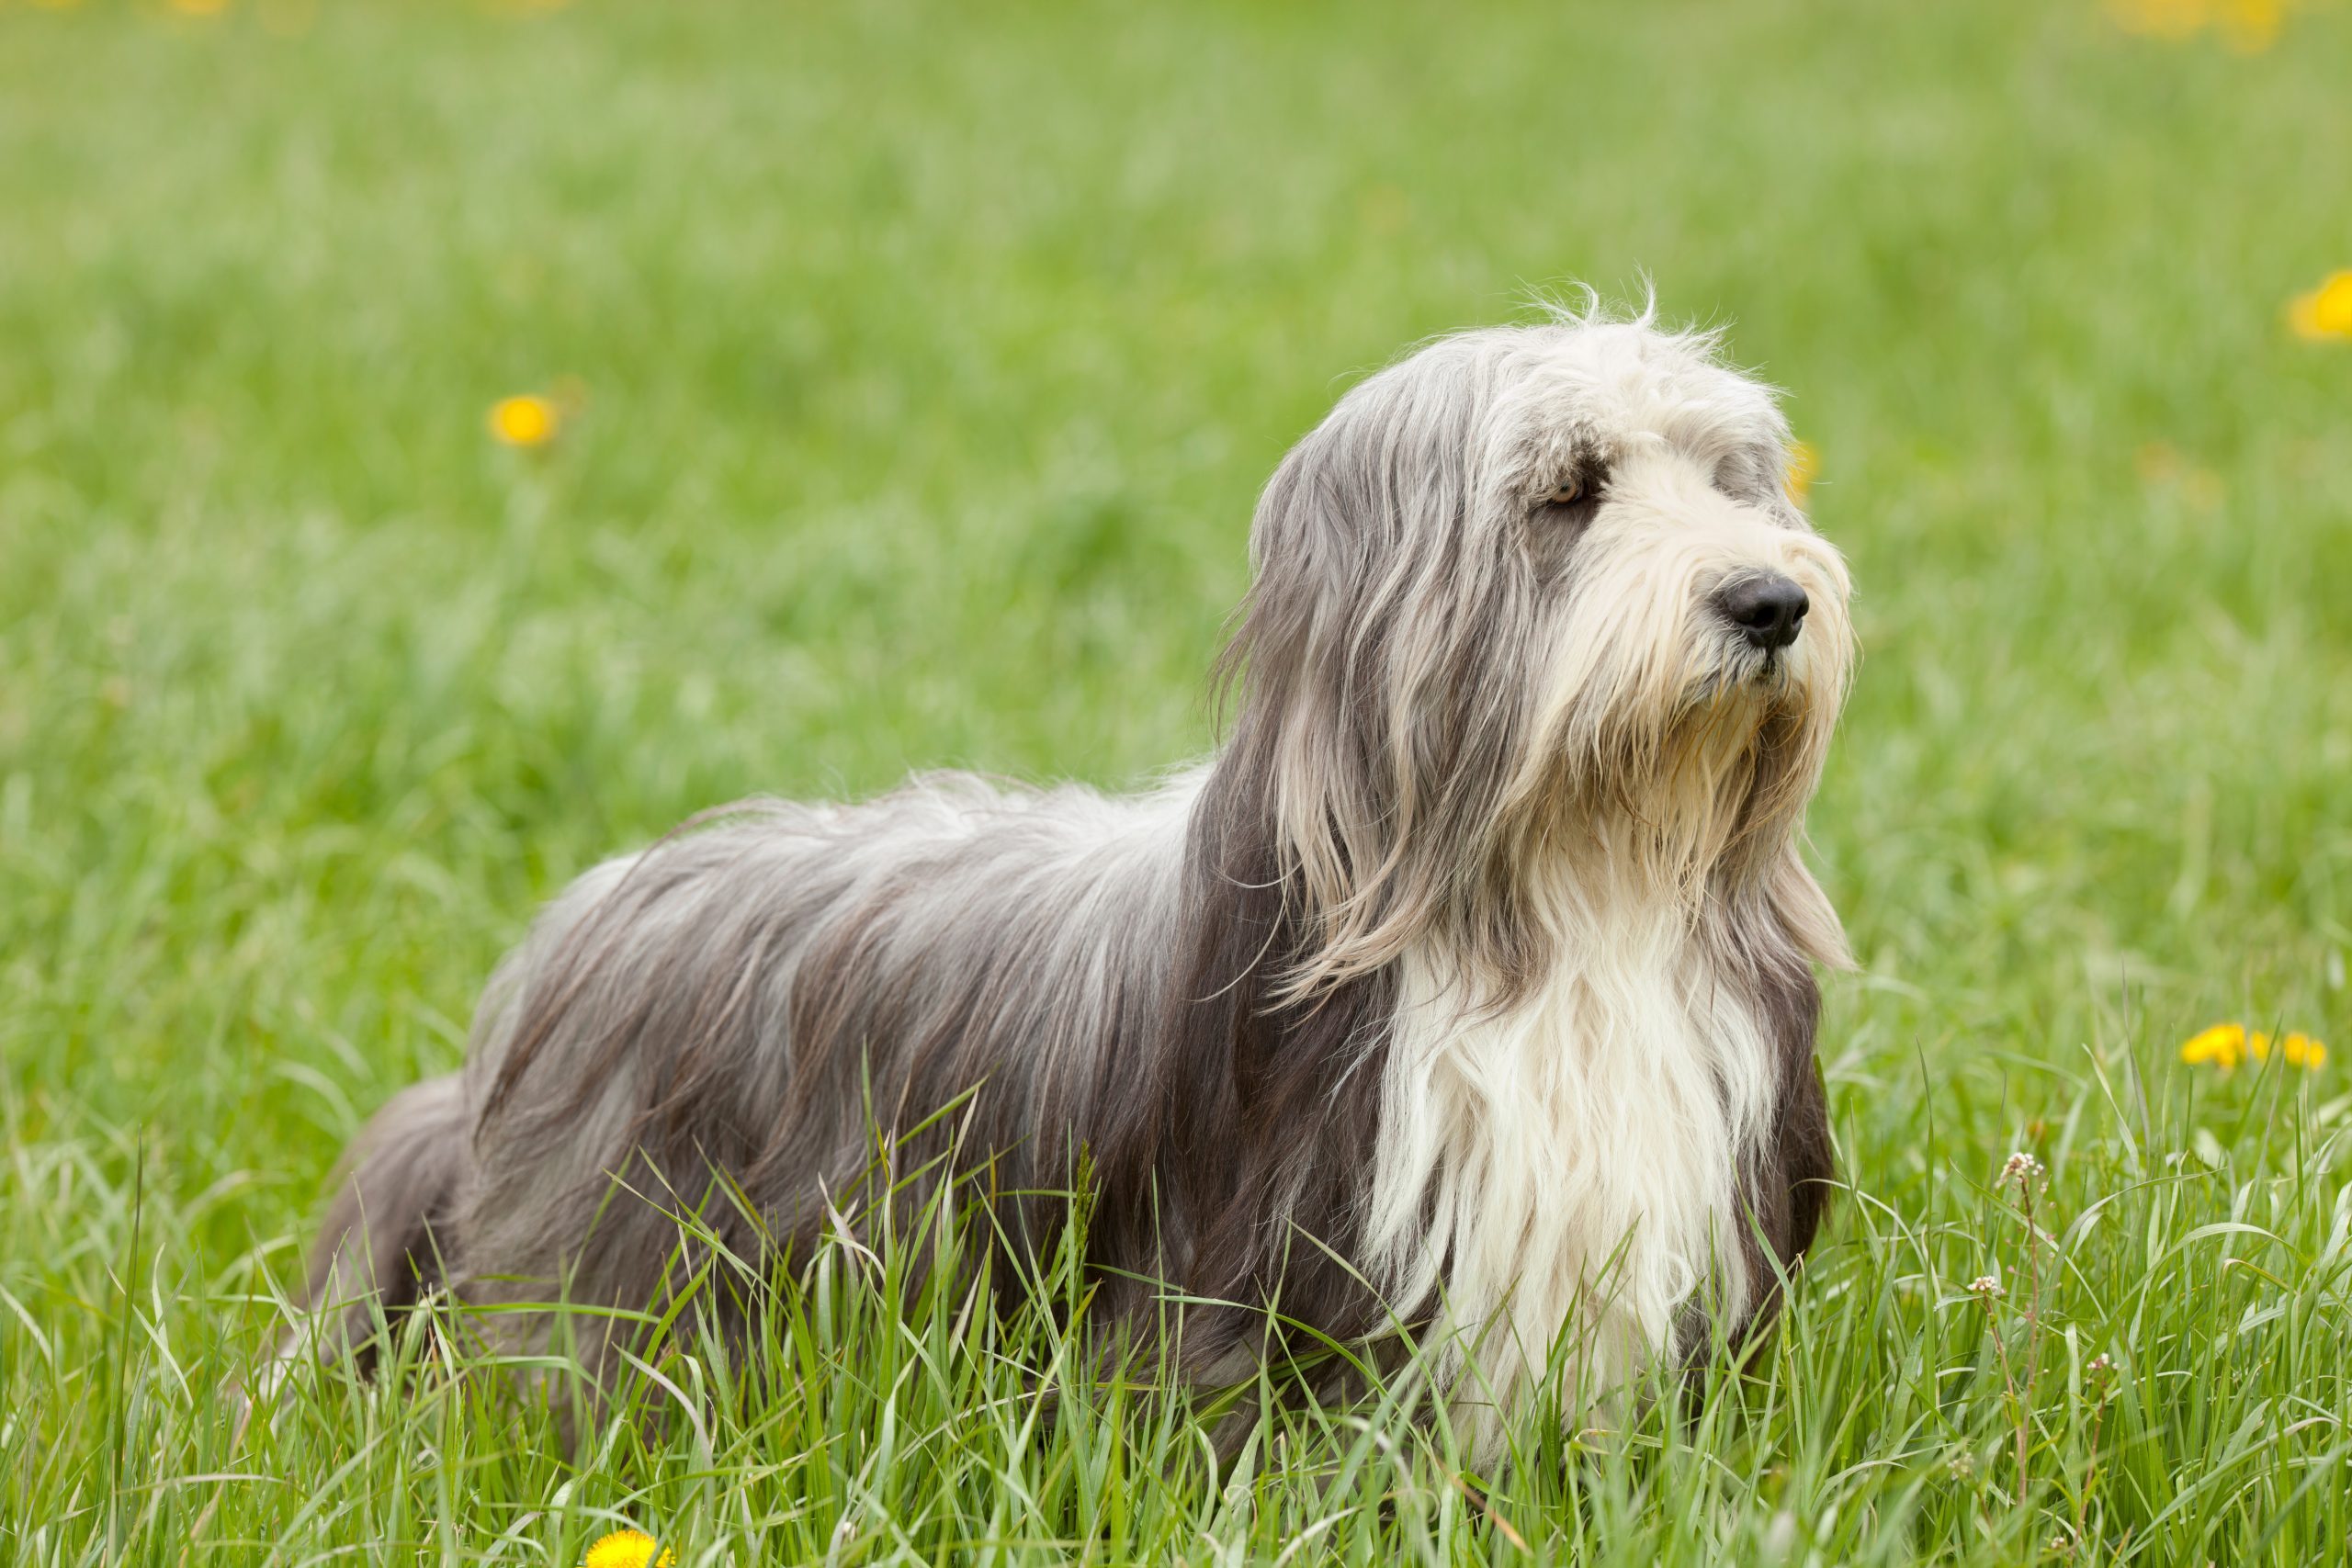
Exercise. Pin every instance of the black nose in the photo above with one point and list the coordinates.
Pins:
(1769, 610)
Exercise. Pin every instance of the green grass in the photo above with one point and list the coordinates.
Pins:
(933, 356)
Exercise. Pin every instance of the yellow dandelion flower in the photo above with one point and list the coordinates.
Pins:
(526, 420)
(2174, 19)
(628, 1549)
(2225, 1044)
(1803, 463)
(2326, 311)
(2302, 1051)
(198, 7)
(2220, 1046)
(2251, 25)
(2247, 26)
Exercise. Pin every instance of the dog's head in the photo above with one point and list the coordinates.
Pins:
(1532, 597)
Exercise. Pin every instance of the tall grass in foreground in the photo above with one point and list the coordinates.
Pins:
(2138, 1355)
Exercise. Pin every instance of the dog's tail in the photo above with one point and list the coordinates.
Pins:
(387, 1239)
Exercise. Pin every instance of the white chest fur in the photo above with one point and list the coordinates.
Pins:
(1561, 1176)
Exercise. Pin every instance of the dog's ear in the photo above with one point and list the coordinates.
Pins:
(1379, 666)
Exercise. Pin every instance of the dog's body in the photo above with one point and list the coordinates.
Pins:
(1468, 987)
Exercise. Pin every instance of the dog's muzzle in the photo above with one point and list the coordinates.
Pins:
(1769, 611)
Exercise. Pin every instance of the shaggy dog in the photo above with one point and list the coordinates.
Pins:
(1468, 988)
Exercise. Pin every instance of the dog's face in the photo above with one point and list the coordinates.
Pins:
(1690, 627)
(1534, 588)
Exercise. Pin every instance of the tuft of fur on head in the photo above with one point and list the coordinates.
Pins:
(1469, 985)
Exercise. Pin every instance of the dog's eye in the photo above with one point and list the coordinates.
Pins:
(1577, 494)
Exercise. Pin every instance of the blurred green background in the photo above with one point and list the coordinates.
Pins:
(920, 365)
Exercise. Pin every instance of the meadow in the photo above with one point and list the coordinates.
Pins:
(912, 370)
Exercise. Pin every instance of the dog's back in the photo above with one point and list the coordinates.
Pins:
(738, 1013)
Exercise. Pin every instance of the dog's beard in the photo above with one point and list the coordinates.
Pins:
(1761, 678)
(1669, 780)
